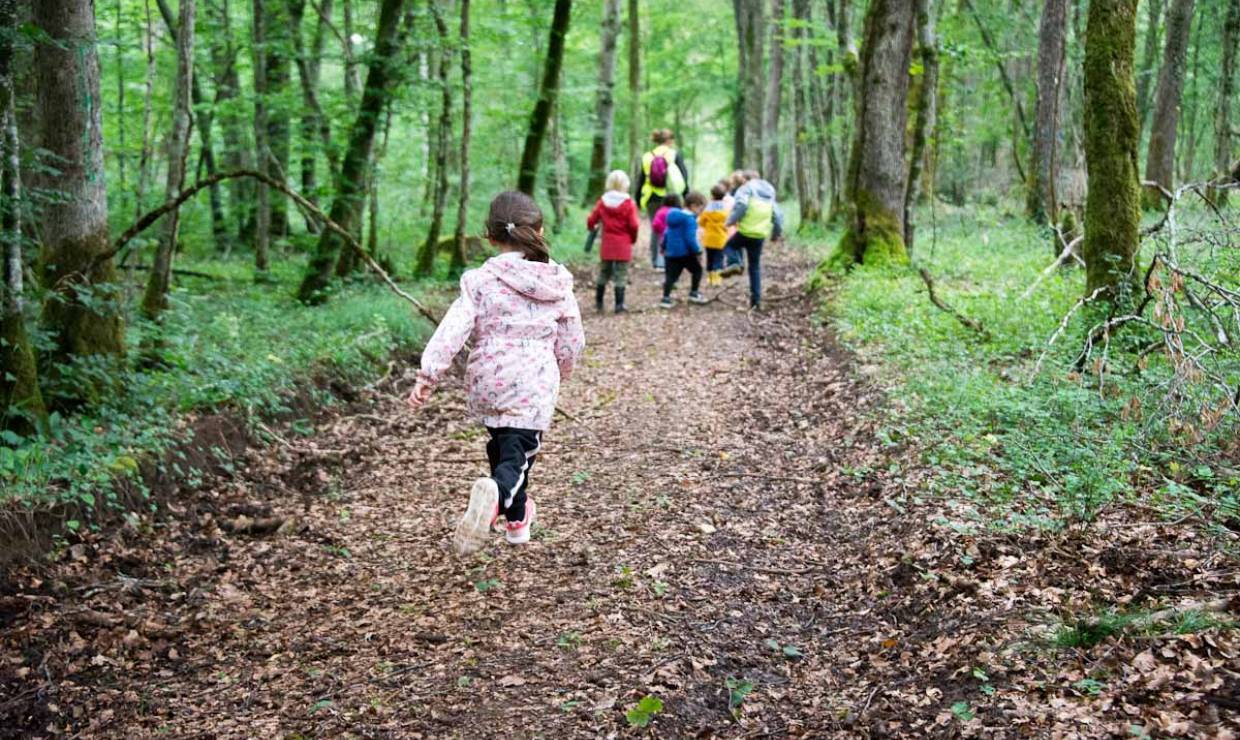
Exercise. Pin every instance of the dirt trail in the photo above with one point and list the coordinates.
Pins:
(717, 518)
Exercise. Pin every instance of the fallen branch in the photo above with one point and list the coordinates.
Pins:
(965, 321)
(150, 217)
(1067, 252)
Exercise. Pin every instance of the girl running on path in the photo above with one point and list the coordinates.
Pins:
(618, 214)
(715, 232)
(520, 311)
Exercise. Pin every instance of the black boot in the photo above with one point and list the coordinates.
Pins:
(620, 300)
(599, 292)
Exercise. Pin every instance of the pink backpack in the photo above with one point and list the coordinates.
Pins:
(658, 171)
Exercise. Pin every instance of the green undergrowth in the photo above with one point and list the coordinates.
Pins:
(227, 344)
(1008, 446)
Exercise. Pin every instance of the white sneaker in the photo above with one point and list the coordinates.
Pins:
(472, 532)
(698, 298)
(519, 532)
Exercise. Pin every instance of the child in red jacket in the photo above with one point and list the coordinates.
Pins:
(617, 212)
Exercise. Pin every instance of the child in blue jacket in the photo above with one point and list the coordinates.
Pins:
(681, 248)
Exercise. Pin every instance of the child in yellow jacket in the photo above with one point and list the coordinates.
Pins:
(714, 232)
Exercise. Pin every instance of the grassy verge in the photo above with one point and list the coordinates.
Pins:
(1015, 444)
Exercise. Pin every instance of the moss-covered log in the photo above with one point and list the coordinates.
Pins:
(1112, 134)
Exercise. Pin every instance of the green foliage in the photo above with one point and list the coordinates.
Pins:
(642, 714)
(738, 689)
(1019, 448)
(224, 345)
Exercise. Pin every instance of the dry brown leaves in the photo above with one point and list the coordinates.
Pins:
(703, 519)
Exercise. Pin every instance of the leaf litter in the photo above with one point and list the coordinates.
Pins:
(725, 550)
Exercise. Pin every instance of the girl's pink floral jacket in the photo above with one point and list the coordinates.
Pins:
(527, 336)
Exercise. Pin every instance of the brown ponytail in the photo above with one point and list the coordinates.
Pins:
(515, 220)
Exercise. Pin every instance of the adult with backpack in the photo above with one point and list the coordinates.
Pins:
(663, 171)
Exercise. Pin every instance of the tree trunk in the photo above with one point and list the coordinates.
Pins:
(236, 154)
(202, 117)
(635, 79)
(1187, 152)
(19, 378)
(843, 85)
(751, 98)
(774, 88)
(1160, 158)
(426, 257)
(558, 187)
(351, 82)
(84, 318)
(467, 95)
(806, 134)
(315, 130)
(1149, 57)
(1040, 202)
(1112, 135)
(148, 132)
(1226, 87)
(547, 94)
(277, 45)
(605, 106)
(262, 143)
(876, 165)
(156, 298)
(382, 74)
(927, 102)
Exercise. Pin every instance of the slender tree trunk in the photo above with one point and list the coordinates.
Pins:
(156, 298)
(467, 96)
(1160, 158)
(843, 85)
(202, 117)
(1149, 57)
(19, 376)
(635, 79)
(876, 165)
(1188, 112)
(927, 102)
(1040, 201)
(740, 15)
(121, 154)
(372, 234)
(426, 257)
(1112, 135)
(806, 133)
(351, 82)
(772, 105)
(84, 318)
(277, 48)
(382, 75)
(236, 155)
(148, 131)
(1226, 89)
(558, 187)
(751, 79)
(314, 130)
(1022, 132)
(547, 94)
(262, 144)
(605, 107)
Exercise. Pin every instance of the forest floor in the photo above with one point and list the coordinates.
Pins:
(719, 529)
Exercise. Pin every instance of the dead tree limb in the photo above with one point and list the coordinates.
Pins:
(150, 217)
(939, 303)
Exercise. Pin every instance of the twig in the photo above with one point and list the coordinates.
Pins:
(965, 321)
(758, 568)
(783, 478)
(1067, 252)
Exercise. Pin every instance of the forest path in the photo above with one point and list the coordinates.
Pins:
(720, 528)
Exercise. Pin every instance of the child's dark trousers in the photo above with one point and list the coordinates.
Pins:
(677, 265)
(512, 453)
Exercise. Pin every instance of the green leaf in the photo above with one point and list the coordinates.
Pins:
(73, 524)
(792, 651)
(487, 585)
(645, 710)
(962, 711)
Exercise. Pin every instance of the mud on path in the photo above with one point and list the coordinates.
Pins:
(719, 528)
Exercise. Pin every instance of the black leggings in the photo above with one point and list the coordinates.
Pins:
(677, 265)
(512, 453)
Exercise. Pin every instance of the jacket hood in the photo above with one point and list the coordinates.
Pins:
(539, 281)
(614, 198)
(761, 188)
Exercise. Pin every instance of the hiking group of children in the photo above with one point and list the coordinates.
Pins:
(521, 318)
(731, 226)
